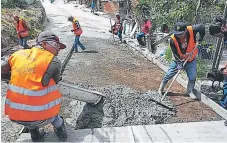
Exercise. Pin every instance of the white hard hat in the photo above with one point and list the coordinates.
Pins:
(117, 14)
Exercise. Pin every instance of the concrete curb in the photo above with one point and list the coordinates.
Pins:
(212, 131)
(203, 98)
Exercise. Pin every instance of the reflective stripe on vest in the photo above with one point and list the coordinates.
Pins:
(190, 47)
(28, 92)
(25, 107)
(20, 27)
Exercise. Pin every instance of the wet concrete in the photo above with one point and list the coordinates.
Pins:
(121, 106)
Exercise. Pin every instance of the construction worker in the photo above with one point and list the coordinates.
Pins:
(32, 97)
(77, 31)
(117, 27)
(182, 43)
(219, 29)
(92, 6)
(145, 30)
(165, 28)
(22, 31)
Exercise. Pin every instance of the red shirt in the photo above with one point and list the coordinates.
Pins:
(146, 26)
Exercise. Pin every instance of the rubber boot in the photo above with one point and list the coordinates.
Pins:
(190, 88)
(161, 88)
(37, 135)
(61, 131)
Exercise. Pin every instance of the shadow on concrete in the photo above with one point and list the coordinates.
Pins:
(174, 94)
(91, 51)
(185, 103)
(91, 116)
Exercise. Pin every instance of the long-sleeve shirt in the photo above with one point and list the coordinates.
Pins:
(53, 71)
(198, 28)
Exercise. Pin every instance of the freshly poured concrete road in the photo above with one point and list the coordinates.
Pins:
(213, 131)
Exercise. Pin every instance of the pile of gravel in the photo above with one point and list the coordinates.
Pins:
(122, 106)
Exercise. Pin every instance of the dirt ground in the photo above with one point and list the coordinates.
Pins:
(129, 81)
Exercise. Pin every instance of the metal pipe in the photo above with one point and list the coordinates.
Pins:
(77, 93)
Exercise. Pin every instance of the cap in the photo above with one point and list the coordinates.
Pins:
(70, 18)
(15, 16)
(49, 36)
(179, 28)
(117, 14)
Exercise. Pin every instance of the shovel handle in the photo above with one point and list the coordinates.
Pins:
(177, 75)
(170, 86)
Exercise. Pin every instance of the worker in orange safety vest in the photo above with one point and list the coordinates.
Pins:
(22, 31)
(32, 97)
(77, 32)
(183, 43)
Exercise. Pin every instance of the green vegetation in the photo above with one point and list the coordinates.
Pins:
(168, 55)
(13, 3)
(202, 68)
(170, 11)
(34, 15)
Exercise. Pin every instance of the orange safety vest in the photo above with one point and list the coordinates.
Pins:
(19, 27)
(190, 47)
(27, 99)
(76, 27)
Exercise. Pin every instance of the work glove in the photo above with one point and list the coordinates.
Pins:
(179, 65)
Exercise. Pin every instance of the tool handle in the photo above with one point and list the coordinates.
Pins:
(177, 74)
(170, 86)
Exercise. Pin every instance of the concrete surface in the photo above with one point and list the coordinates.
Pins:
(213, 131)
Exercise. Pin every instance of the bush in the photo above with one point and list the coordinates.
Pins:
(13, 4)
(202, 68)
(168, 55)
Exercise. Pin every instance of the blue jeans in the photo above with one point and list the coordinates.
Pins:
(23, 42)
(119, 34)
(139, 37)
(190, 68)
(76, 43)
(56, 121)
(223, 101)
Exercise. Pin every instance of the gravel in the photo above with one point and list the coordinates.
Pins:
(116, 108)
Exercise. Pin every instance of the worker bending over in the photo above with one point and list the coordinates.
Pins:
(32, 97)
(145, 30)
(117, 27)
